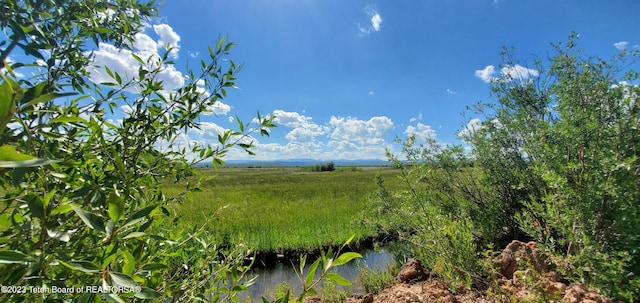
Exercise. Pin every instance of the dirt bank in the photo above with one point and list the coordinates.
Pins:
(522, 274)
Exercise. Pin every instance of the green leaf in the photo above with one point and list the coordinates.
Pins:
(128, 262)
(134, 234)
(91, 220)
(115, 206)
(8, 153)
(312, 273)
(219, 46)
(122, 279)
(349, 240)
(147, 293)
(113, 297)
(47, 198)
(337, 278)
(346, 257)
(11, 158)
(62, 209)
(14, 257)
(61, 235)
(143, 212)
(83, 266)
(7, 102)
(69, 119)
(153, 266)
(36, 206)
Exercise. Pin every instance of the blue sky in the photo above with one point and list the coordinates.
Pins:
(345, 77)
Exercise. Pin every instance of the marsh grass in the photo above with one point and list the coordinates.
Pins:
(273, 209)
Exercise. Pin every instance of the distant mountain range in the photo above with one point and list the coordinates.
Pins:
(307, 162)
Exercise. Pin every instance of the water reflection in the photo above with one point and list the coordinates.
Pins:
(269, 278)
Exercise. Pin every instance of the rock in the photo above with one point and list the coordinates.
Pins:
(412, 271)
(520, 255)
(576, 292)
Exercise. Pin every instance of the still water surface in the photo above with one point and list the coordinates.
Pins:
(269, 278)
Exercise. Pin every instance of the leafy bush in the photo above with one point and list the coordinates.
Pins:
(554, 159)
(81, 200)
(439, 212)
(323, 167)
(331, 294)
(568, 141)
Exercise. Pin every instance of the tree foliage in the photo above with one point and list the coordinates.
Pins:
(555, 159)
(81, 203)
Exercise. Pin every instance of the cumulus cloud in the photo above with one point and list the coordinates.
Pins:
(303, 127)
(451, 92)
(122, 62)
(518, 72)
(486, 74)
(421, 131)
(472, 126)
(168, 38)
(508, 73)
(375, 21)
(218, 108)
(360, 131)
(339, 138)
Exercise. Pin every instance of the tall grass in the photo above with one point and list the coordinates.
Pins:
(271, 209)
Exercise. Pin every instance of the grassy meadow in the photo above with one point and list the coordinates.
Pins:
(287, 208)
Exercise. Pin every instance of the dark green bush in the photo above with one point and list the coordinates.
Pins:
(555, 159)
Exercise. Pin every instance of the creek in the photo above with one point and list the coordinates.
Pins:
(270, 277)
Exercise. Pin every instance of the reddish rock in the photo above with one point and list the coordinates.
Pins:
(412, 271)
(520, 255)
(576, 292)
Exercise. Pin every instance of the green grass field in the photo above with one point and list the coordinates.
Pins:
(284, 208)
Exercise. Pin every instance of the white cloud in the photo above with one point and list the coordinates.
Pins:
(340, 138)
(518, 72)
(290, 119)
(421, 131)
(472, 126)
(621, 45)
(9, 62)
(145, 45)
(209, 130)
(303, 128)
(122, 62)
(168, 37)
(218, 108)
(375, 21)
(486, 74)
(360, 131)
(508, 73)
(126, 109)
(451, 92)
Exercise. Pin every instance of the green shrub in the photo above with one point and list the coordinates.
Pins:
(82, 203)
(436, 212)
(555, 159)
(374, 281)
(568, 139)
(331, 294)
